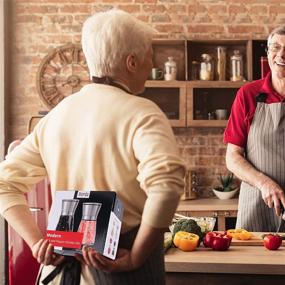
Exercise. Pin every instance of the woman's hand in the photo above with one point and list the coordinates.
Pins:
(123, 261)
(43, 252)
(272, 195)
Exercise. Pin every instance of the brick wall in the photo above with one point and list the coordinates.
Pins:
(37, 26)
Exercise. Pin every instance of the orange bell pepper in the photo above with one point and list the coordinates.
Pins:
(186, 241)
(240, 234)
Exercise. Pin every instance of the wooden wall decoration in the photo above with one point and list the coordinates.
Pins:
(61, 73)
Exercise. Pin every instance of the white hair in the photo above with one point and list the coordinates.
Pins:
(108, 37)
(277, 31)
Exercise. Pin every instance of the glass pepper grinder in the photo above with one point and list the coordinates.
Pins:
(66, 219)
(236, 66)
(88, 222)
(170, 69)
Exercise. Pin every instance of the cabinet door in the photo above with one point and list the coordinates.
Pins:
(170, 96)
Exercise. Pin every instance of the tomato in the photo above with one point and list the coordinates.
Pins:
(217, 241)
(186, 241)
(272, 241)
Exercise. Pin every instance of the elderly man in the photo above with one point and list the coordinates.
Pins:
(103, 137)
(256, 143)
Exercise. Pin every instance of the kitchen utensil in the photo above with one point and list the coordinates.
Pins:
(281, 220)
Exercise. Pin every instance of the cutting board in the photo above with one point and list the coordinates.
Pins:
(255, 240)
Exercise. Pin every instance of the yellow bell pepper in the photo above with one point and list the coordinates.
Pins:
(240, 234)
(186, 241)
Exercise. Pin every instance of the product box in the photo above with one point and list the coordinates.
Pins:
(80, 218)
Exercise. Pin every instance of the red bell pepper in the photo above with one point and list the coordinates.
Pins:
(217, 241)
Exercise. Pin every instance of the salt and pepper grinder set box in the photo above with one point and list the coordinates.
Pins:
(79, 218)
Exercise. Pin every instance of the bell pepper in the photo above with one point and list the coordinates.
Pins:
(186, 241)
(217, 241)
(240, 234)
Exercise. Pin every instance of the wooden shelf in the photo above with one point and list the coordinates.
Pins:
(163, 83)
(208, 204)
(207, 123)
(215, 84)
(196, 99)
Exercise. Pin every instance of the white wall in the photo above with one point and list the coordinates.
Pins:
(2, 137)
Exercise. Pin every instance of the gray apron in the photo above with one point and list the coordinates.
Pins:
(265, 150)
(150, 273)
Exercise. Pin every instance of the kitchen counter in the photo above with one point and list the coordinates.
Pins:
(209, 204)
(253, 263)
(211, 207)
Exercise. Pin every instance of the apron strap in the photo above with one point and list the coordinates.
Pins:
(108, 81)
(261, 98)
(71, 268)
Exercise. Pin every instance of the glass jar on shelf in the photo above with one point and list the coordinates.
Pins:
(221, 63)
(206, 67)
(170, 70)
(236, 66)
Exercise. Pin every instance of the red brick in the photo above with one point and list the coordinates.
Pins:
(196, 8)
(206, 29)
(36, 9)
(145, 1)
(169, 28)
(153, 8)
(130, 8)
(277, 9)
(258, 9)
(177, 8)
(75, 9)
(217, 9)
(235, 9)
(143, 18)
(246, 29)
(29, 19)
(164, 18)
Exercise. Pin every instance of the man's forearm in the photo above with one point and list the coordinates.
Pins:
(22, 221)
(244, 170)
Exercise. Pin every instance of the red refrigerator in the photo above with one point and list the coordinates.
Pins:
(23, 268)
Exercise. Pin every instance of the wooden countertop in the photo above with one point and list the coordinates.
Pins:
(210, 204)
(238, 259)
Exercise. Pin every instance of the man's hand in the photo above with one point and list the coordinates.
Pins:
(43, 252)
(123, 260)
(272, 195)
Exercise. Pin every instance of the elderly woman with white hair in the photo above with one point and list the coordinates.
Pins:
(103, 137)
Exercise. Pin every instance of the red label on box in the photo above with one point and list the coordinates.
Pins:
(65, 239)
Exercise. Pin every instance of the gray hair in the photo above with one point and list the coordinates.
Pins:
(277, 31)
(108, 37)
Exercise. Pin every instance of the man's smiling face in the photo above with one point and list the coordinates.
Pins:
(276, 56)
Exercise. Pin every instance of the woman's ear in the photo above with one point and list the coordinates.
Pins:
(131, 63)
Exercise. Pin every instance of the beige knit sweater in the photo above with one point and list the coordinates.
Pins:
(101, 138)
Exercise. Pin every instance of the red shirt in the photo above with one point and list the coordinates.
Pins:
(243, 109)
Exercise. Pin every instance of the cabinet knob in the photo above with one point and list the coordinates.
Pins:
(215, 214)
